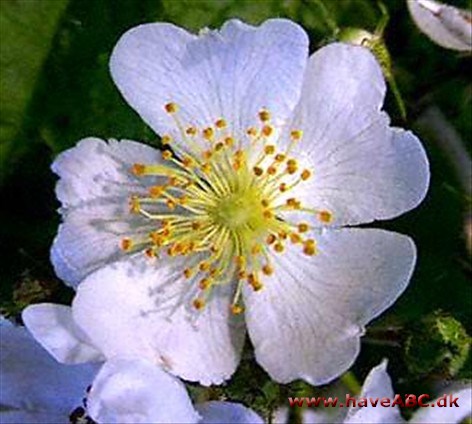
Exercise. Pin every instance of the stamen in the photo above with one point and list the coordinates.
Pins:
(171, 108)
(325, 216)
(222, 203)
(264, 115)
(198, 303)
(126, 244)
(220, 123)
(309, 247)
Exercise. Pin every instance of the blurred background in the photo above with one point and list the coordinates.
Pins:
(56, 89)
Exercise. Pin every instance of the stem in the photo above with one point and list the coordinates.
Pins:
(350, 381)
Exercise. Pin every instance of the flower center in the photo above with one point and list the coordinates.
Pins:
(239, 210)
(223, 207)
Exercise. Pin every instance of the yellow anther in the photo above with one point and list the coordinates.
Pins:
(251, 131)
(279, 247)
(166, 140)
(267, 130)
(283, 187)
(237, 164)
(183, 200)
(198, 303)
(309, 247)
(156, 238)
(256, 249)
(296, 135)
(240, 261)
(208, 133)
(267, 269)
(219, 146)
(271, 239)
(256, 285)
(265, 203)
(282, 235)
(196, 225)
(207, 154)
(280, 157)
(150, 253)
(220, 123)
(204, 283)
(138, 169)
(191, 131)
(229, 141)
(156, 191)
(166, 155)
(325, 216)
(257, 171)
(171, 108)
(188, 272)
(264, 115)
(303, 227)
(236, 309)
(267, 214)
(295, 238)
(272, 170)
(292, 202)
(187, 161)
(305, 175)
(239, 154)
(170, 204)
(269, 149)
(206, 168)
(242, 275)
(173, 181)
(292, 166)
(204, 266)
(126, 244)
(134, 204)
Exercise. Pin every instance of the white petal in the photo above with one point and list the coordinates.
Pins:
(95, 187)
(133, 391)
(317, 416)
(143, 310)
(215, 412)
(449, 414)
(362, 169)
(33, 382)
(377, 385)
(54, 328)
(446, 25)
(307, 320)
(232, 73)
(95, 170)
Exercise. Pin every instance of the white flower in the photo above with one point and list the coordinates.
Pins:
(446, 25)
(34, 388)
(379, 385)
(133, 391)
(275, 154)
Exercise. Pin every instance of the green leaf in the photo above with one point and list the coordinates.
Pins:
(27, 29)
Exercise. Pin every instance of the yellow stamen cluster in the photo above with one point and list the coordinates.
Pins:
(221, 205)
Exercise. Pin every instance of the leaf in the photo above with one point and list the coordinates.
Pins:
(27, 29)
